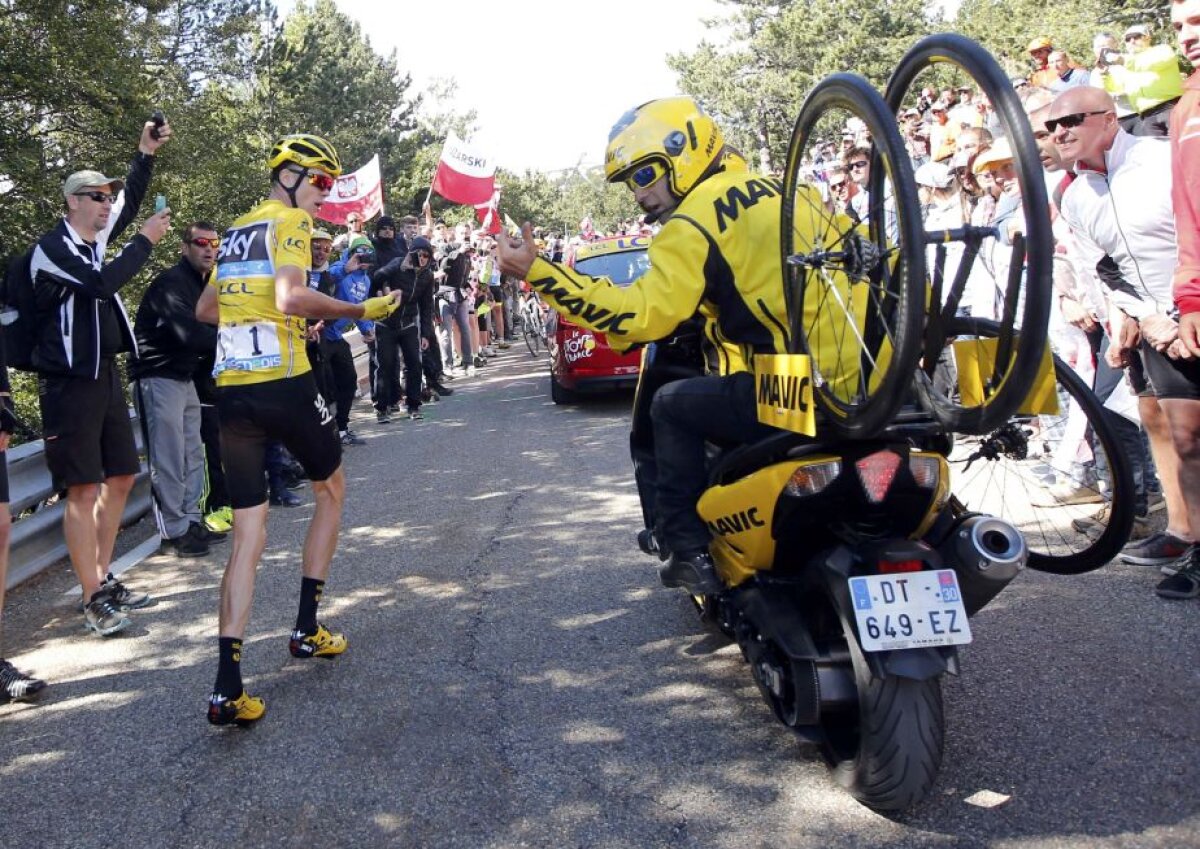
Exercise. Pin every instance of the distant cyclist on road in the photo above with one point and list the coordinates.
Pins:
(266, 391)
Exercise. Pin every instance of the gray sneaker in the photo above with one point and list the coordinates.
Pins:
(16, 686)
(104, 617)
(123, 597)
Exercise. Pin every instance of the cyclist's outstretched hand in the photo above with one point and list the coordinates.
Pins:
(516, 255)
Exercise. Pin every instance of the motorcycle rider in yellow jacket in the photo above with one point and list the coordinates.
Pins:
(717, 255)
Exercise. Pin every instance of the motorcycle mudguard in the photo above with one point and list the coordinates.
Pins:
(918, 664)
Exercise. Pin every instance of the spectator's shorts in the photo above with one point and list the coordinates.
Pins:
(1160, 376)
(86, 427)
(4, 477)
(290, 411)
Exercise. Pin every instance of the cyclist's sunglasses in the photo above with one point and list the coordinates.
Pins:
(646, 176)
(321, 181)
(202, 242)
(1072, 120)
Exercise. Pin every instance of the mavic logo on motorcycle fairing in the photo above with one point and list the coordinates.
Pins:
(788, 391)
(736, 523)
(736, 199)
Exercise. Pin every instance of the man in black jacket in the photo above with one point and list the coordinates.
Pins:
(171, 344)
(82, 327)
(412, 276)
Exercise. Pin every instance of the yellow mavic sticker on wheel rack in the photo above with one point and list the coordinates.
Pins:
(977, 357)
(783, 388)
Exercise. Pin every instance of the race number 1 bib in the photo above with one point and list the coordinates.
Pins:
(248, 347)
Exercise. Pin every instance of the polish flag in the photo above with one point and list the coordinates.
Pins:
(489, 214)
(360, 192)
(464, 174)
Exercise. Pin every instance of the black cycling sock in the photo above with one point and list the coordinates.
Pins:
(310, 597)
(229, 667)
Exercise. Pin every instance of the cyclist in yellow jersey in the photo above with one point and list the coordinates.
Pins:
(717, 255)
(259, 298)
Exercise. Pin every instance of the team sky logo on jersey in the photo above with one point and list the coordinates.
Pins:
(245, 253)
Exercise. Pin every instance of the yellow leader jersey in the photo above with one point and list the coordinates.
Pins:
(256, 343)
(717, 254)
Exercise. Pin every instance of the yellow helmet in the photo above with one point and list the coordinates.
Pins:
(673, 134)
(307, 151)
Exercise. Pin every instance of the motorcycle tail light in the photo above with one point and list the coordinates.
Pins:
(877, 471)
(813, 478)
(891, 567)
(926, 470)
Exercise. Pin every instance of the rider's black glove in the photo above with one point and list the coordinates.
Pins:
(862, 256)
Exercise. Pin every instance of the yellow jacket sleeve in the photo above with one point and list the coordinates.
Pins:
(645, 311)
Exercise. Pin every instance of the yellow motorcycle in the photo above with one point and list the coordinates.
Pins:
(850, 569)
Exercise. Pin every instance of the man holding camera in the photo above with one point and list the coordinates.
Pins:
(352, 284)
(412, 276)
(1148, 75)
(82, 327)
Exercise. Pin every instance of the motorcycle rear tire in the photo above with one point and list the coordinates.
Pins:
(901, 733)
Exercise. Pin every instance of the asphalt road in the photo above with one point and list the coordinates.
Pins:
(517, 678)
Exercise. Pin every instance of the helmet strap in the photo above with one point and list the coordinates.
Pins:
(292, 189)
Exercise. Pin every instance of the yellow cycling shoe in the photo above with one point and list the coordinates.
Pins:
(243, 710)
(220, 521)
(324, 643)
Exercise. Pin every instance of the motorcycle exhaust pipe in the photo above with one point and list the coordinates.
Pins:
(986, 553)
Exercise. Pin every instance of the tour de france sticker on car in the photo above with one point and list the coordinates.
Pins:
(976, 357)
(783, 388)
(909, 610)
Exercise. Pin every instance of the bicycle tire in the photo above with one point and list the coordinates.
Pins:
(531, 338)
(1010, 381)
(859, 392)
(1047, 540)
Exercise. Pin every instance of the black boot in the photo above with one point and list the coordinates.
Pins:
(441, 390)
(693, 572)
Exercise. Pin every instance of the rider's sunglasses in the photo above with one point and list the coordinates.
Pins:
(202, 242)
(320, 181)
(1072, 120)
(856, 164)
(646, 176)
(98, 197)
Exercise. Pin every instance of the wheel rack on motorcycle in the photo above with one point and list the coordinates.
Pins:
(852, 562)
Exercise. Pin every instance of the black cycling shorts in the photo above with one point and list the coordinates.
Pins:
(4, 477)
(1158, 375)
(86, 428)
(290, 411)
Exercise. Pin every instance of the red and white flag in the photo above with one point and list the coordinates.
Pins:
(464, 174)
(489, 214)
(360, 192)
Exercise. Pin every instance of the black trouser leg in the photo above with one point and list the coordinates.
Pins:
(431, 358)
(383, 390)
(345, 378)
(410, 348)
(210, 434)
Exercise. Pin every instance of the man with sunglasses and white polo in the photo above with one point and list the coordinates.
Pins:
(260, 299)
(1119, 205)
(81, 328)
(171, 346)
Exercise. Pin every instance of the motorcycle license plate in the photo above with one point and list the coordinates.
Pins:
(909, 610)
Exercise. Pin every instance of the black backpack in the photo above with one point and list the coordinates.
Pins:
(18, 312)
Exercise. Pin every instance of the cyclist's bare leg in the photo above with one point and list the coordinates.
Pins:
(321, 541)
(237, 587)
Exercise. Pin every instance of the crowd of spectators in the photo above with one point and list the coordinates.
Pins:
(1105, 137)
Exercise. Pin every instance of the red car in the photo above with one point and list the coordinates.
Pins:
(580, 360)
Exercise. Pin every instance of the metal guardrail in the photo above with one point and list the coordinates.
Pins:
(37, 539)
